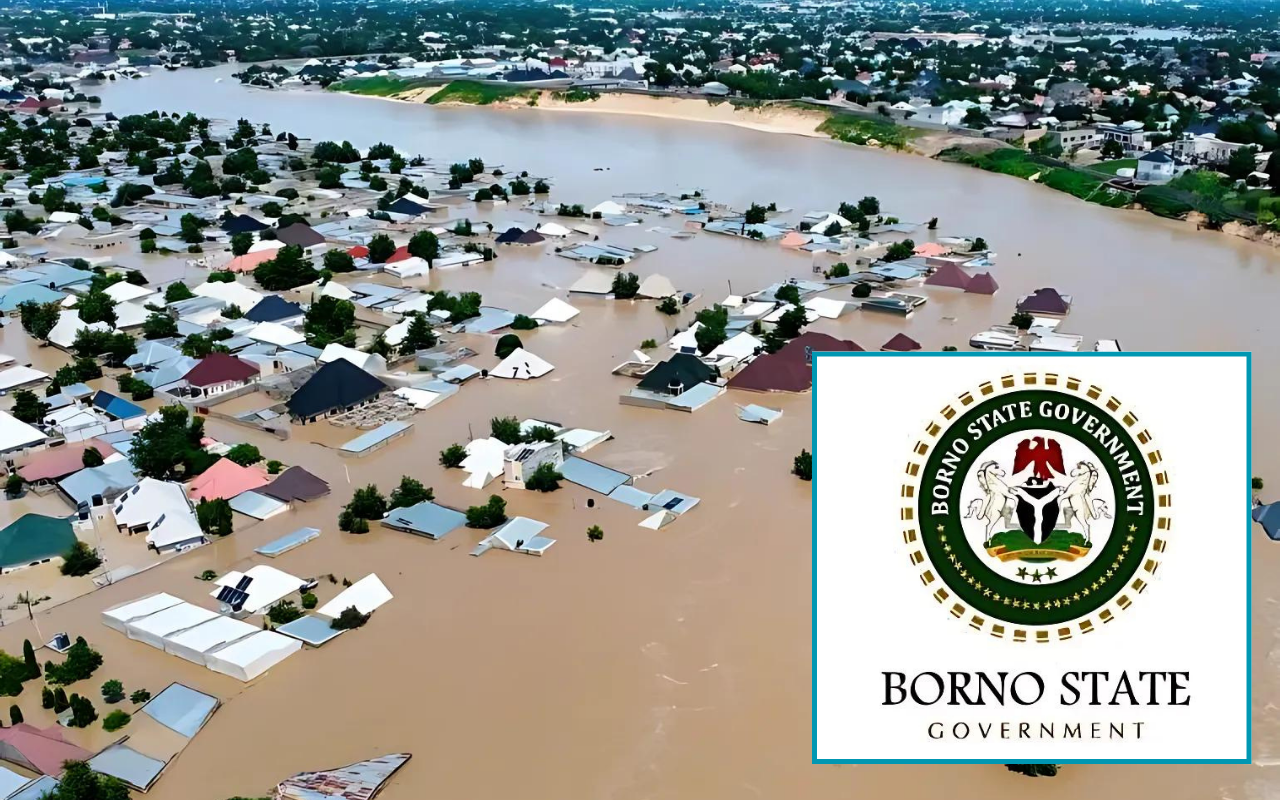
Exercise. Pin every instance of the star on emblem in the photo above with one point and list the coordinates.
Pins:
(1022, 573)
(1052, 573)
(1036, 576)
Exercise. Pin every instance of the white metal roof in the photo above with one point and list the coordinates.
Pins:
(367, 595)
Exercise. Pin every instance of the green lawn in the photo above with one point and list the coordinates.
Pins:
(859, 130)
(1113, 167)
(377, 86)
(480, 94)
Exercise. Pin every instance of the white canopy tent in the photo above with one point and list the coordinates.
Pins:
(197, 643)
(155, 628)
(253, 655)
(118, 616)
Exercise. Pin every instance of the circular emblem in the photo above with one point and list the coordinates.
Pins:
(1036, 507)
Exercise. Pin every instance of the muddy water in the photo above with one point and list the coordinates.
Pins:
(669, 664)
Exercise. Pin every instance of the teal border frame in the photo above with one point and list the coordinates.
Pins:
(1246, 355)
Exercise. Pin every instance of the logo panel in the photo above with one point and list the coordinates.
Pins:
(1037, 507)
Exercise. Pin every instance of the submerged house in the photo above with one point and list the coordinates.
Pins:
(521, 460)
(219, 373)
(791, 368)
(34, 539)
(1045, 301)
(337, 386)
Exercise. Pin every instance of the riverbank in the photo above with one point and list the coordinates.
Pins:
(1205, 212)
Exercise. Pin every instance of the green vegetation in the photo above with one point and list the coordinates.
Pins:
(546, 478)
(80, 664)
(595, 534)
(349, 619)
(452, 456)
(139, 696)
(1054, 174)
(215, 516)
(490, 515)
(116, 720)
(113, 691)
(858, 129)
(410, 492)
(81, 559)
(1019, 540)
(478, 94)
(284, 612)
(1034, 770)
(1114, 167)
(377, 85)
(802, 466)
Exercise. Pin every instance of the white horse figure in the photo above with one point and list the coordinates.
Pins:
(997, 504)
(1077, 500)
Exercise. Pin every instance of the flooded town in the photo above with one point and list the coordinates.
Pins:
(360, 444)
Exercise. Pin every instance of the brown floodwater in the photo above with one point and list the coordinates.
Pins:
(654, 664)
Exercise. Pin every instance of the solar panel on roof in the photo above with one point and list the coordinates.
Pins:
(672, 503)
(244, 583)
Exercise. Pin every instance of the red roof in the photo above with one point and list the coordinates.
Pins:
(901, 343)
(58, 462)
(401, 254)
(791, 368)
(218, 368)
(948, 275)
(1044, 301)
(225, 479)
(359, 251)
(45, 751)
(982, 283)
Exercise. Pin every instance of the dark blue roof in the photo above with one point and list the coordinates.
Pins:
(406, 206)
(272, 308)
(117, 407)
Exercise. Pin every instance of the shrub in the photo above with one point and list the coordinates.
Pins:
(81, 559)
(507, 344)
(215, 516)
(648, 344)
(594, 533)
(506, 429)
(410, 492)
(349, 619)
(284, 612)
(453, 456)
(669, 306)
(139, 696)
(490, 515)
(626, 285)
(802, 467)
(546, 478)
(80, 664)
(309, 601)
(116, 720)
(523, 323)
(15, 715)
(274, 467)
(244, 454)
(113, 691)
(82, 712)
(1034, 770)
(862, 290)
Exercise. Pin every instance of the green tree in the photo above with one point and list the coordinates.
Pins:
(91, 457)
(113, 691)
(626, 285)
(116, 720)
(869, 206)
(1112, 149)
(505, 429)
(240, 243)
(802, 466)
(546, 478)
(1257, 484)
(80, 663)
(367, 503)
(60, 701)
(756, 214)
(900, 250)
(861, 290)
(177, 292)
(330, 320)
(339, 261)
(82, 712)
(381, 247)
(425, 245)
(29, 659)
(1272, 169)
(283, 613)
(410, 492)
(1242, 163)
(170, 447)
(309, 601)
(1021, 320)
(595, 534)
(289, 269)
(523, 323)
(791, 322)
(244, 454)
(349, 619)
(27, 407)
(419, 336)
(490, 515)
(38, 319)
(139, 696)
(15, 715)
(669, 306)
(78, 782)
(215, 516)
(81, 559)
(452, 456)
(507, 344)
(160, 325)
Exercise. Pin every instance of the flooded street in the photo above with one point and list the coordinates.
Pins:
(655, 665)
